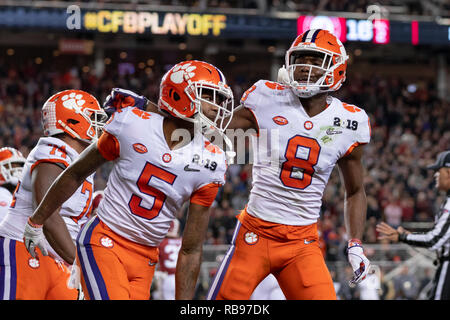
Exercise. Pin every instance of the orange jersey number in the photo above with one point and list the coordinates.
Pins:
(150, 171)
(14, 199)
(304, 166)
(87, 187)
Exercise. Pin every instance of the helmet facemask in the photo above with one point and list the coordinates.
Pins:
(97, 119)
(221, 98)
(309, 87)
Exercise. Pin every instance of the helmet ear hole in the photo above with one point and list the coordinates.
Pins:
(176, 96)
(72, 121)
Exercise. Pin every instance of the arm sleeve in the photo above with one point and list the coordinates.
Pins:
(436, 237)
(205, 195)
(55, 153)
(108, 146)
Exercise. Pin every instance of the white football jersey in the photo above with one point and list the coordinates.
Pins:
(149, 182)
(5, 201)
(294, 154)
(73, 211)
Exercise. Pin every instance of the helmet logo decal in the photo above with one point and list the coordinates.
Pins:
(72, 101)
(181, 71)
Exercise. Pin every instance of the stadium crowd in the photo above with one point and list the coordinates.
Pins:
(410, 125)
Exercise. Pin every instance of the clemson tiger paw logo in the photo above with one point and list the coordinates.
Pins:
(72, 100)
(106, 242)
(251, 238)
(179, 73)
(33, 263)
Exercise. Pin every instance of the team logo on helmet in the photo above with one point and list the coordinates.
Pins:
(73, 101)
(33, 263)
(251, 237)
(106, 242)
(181, 72)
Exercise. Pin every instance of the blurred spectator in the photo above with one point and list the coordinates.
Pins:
(406, 285)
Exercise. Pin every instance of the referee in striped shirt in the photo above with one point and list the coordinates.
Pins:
(438, 238)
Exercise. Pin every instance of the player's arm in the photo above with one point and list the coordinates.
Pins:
(243, 119)
(55, 229)
(355, 208)
(59, 192)
(190, 255)
(355, 205)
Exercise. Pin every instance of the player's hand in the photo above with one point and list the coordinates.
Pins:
(122, 98)
(359, 262)
(33, 237)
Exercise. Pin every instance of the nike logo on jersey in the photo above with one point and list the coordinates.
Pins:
(308, 242)
(186, 168)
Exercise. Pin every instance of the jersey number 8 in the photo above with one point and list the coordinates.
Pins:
(294, 164)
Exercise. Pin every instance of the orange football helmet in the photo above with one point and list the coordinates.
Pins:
(10, 173)
(334, 63)
(74, 112)
(181, 94)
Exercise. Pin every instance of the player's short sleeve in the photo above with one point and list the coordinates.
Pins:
(53, 151)
(117, 122)
(117, 131)
(205, 195)
(108, 146)
(251, 97)
(364, 129)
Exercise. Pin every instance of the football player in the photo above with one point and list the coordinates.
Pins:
(152, 176)
(11, 165)
(72, 120)
(310, 132)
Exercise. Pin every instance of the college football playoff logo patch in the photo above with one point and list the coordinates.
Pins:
(251, 238)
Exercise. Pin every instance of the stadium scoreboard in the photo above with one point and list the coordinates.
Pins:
(379, 31)
(237, 26)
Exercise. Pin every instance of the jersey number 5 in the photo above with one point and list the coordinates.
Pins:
(150, 171)
(297, 172)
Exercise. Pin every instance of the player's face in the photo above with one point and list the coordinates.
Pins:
(442, 178)
(307, 59)
(210, 109)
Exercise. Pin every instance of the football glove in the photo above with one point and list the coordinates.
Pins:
(33, 237)
(359, 262)
(122, 98)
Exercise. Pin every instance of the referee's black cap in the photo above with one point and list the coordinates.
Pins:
(442, 161)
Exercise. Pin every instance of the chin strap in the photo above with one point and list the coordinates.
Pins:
(283, 76)
(230, 154)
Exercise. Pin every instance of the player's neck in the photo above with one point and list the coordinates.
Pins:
(176, 141)
(315, 105)
(76, 144)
